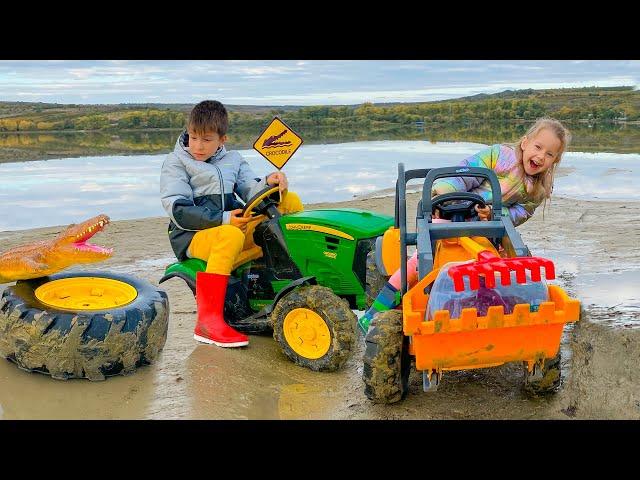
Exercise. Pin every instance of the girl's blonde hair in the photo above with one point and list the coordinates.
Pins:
(543, 183)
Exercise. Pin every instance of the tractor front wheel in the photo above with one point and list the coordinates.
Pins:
(387, 363)
(314, 327)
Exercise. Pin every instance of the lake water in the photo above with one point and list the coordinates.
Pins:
(62, 191)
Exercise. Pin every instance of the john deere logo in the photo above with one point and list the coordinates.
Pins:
(333, 255)
(277, 143)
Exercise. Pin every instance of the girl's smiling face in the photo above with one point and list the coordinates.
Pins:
(540, 151)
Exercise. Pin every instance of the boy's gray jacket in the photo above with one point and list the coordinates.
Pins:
(196, 194)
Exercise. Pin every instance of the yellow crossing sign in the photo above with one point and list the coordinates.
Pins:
(277, 143)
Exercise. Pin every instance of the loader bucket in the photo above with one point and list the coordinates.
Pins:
(471, 340)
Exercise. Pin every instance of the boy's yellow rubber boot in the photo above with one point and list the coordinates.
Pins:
(211, 327)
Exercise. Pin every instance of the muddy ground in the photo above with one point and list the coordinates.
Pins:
(192, 381)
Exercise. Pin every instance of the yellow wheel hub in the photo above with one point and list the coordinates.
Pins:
(86, 293)
(306, 333)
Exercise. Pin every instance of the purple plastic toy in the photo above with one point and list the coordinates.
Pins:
(444, 297)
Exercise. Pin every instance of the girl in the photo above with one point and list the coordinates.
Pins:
(525, 171)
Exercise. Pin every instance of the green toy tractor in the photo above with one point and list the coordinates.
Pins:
(303, 280)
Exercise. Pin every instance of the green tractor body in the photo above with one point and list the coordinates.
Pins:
(330, 245)
(312, 273)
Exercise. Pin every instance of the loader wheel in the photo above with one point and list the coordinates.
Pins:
(314, 327)
(545, 380)
(387, 363)
(83, 325)
(375, 280)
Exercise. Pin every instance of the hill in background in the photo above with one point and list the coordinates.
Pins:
(572, 104)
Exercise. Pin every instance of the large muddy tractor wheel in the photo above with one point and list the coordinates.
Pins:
(387, 363)
(543, 380)
(374, 280)
(314, 327)
(83, 325)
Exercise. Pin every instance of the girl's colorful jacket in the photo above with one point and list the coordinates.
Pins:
(199, 195)
(514, 182)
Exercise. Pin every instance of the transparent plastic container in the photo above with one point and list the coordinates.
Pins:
(444, 297)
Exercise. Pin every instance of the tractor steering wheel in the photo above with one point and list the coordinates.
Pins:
(462, 209)
(261, 201)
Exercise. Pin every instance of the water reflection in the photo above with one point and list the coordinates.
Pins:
(25, 395)
(32, 146)
(218, 387)
(63, 191)
(612, 298)
(299, 401)
(619, 137)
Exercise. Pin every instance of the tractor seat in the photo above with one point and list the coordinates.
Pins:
(246, 255)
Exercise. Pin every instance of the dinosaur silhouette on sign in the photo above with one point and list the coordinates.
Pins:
(271, 141)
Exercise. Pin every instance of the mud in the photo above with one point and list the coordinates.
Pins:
(605, 379)
(601, 354)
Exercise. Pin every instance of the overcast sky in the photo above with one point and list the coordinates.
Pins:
(295, 82)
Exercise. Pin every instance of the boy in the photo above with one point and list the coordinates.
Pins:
(197, 186)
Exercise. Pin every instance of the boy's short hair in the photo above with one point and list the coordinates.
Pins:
(208, 116)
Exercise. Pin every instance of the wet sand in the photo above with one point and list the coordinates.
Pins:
(601, 353)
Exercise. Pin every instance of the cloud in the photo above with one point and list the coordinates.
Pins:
(295, 82)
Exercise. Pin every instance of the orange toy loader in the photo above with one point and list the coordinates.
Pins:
(480, 299)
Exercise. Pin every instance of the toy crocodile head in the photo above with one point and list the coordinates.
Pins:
(38, 259)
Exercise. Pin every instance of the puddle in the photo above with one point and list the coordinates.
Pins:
(298, 401)
(609, 291)
(218, 387)
(621, 288)
(35, 396)
(611, 298)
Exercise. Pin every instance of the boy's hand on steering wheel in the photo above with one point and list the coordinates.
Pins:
(237, 220)
(280, 179)
(484, 214)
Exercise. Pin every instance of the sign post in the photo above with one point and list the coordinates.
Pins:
(277, 143)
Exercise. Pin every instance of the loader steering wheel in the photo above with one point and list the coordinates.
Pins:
(462, 208)
(261, 201)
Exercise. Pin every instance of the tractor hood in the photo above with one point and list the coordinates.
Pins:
(350, 223)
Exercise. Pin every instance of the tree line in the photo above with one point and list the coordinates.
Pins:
(621, 104)
(137, 119)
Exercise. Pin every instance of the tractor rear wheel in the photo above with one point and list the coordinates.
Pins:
(543, 380)
(83, 325)
(314, 327)
(387, 363)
